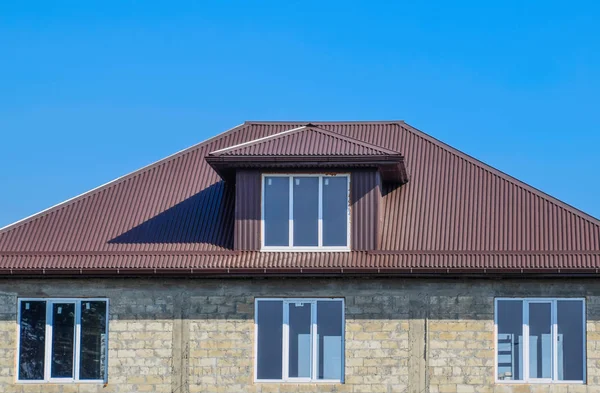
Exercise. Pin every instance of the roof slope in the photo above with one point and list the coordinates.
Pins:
(455, 213)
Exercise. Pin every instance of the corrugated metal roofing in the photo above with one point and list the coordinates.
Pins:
(455, 213)
(256, 262)
(305, 141)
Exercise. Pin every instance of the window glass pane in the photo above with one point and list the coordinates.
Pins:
(93, 340)
(33, 340)
(329, 339)
(540, 340)
(335, 211)
(276, 211)
(510, 340)
(63, 336)
(570, 345)
(306, 211)
(270, 339)
(300, 340)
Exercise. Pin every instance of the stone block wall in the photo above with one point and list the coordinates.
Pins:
(401, 335)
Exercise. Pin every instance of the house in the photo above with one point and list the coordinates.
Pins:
(304, 257)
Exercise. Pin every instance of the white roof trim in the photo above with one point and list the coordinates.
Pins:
(258, 140)
(115, 180)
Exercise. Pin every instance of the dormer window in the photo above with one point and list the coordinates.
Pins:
(305, 212)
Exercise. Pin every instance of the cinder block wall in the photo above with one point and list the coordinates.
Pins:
(168, 335)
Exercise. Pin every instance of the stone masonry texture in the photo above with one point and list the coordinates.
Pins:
(197, 335)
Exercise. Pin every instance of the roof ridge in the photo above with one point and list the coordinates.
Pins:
(260, 140)
(283, 122)
(111, 183)
(491, 169)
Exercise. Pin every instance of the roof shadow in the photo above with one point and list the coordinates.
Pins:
(387, 188)
(206, 217)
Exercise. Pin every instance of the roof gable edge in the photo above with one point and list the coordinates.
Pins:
(503, 175)
(93, 191)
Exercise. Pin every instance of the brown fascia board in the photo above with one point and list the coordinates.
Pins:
(379, 158)
(392, 167)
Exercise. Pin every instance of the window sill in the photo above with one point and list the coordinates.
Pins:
(299, 382)
(539, 382)
(305, 249)
(56, 382)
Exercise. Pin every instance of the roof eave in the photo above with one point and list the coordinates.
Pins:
(391, 167)
(515, 273)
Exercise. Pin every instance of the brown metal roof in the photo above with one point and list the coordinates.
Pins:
(306, 140)
(308, 147)
(455, 214)
(257, 263)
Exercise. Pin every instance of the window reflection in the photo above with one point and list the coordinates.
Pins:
(93, 340)
(510, 340)
(32, 340)
(63, 340)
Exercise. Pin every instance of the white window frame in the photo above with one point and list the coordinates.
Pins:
(48, 341)
(553, 301)
(291, 246)
(285, 341)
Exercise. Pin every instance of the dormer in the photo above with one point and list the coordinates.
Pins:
(307, 189)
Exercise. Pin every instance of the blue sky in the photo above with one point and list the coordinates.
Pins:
(90, 91)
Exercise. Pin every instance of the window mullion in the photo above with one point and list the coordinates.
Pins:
(291, 213)
(18, 354)
(48, 349)
(76, 357)
(525, 340)
(349, 214)
(553, 313)
(584, 335)
(286, 339)
(263, 193)
(106, 338)
(314, 342)
(320, 219)
(343, 354)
